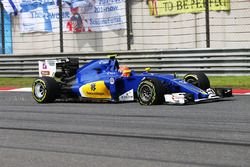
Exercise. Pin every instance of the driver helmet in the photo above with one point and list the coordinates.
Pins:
(125, 71)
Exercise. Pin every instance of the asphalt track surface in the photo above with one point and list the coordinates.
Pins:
(124, 134)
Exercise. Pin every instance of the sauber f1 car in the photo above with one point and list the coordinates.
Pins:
(106, 80)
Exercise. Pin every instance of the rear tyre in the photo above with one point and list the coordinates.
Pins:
(198, 79)
(45, 90)
(150, 92)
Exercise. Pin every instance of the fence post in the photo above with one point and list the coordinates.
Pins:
(129, 26)
(2, 28)
(61, 25)
(207, 24)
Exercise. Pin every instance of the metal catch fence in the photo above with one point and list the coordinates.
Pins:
(230, 62)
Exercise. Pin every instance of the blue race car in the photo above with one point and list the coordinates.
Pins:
(106, 80)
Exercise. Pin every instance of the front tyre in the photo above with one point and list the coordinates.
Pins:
(45, 90)
(198, 79)
(150, 92)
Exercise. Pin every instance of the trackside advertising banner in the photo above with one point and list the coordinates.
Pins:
(97, 15)
(78, 15)
(173, 7)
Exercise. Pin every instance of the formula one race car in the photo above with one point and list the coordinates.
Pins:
(106, 80)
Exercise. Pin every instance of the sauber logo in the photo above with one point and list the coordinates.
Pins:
(45, 66)
(93, 86)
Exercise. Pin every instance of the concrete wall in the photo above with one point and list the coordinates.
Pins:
(231, 29)
(73, 42)
(228, 30)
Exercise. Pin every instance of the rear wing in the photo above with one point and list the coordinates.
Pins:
(47, 68)
(67, 66)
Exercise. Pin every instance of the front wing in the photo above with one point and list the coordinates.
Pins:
(184, 98)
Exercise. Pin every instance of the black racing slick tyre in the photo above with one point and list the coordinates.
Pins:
(150, 92)
(198, 79)
(45, 90)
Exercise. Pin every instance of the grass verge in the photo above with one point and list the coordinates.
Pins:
(237, 82)
(16, 82)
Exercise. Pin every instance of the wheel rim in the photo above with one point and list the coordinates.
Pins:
(39, 90)
(146, 93)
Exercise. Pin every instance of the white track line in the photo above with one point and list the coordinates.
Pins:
(20, 90)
